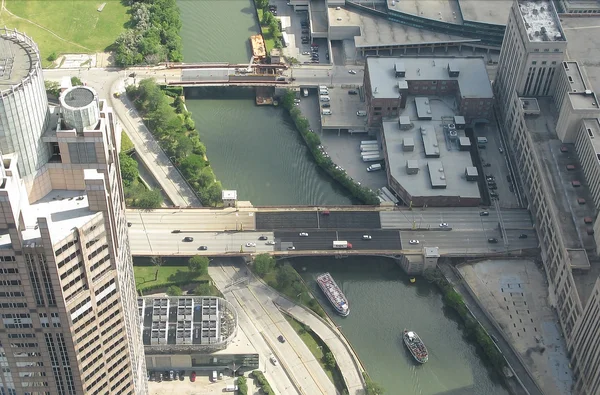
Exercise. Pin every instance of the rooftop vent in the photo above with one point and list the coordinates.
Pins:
(588, 92)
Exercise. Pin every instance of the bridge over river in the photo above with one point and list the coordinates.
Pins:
(228, 231)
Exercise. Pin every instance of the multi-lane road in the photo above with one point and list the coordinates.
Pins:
(168, 231)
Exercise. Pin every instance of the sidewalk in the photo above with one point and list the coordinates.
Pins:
(147, 149)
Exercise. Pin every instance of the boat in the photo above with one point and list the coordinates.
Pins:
(334, 294)
(415, 346)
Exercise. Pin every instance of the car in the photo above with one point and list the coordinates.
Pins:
(159, 377)
(481, 146)
(494, 195)
(305, 31)
(352, 92)
(129, 224)
(326, 105)
(281, 339)
(176, 375)
(305, 37)
(492, 187)
(250, 244)
(352, 71)
(314, 61)
(303, 234)
(263, 237)
(492, 240)
(188, 239)
(305, 53)
(443, 225)
(171, 374)
(181, 375)
(366, 237)
(484, 213)
(150, 376)
(291, 248)
(203, 248)
(490, 178)
(270, 243)
(273, 359)
(501, 150)
(413, 242)
(522, 236)
(494, 338)
(176, 231)
(487, 165)
(193, 376)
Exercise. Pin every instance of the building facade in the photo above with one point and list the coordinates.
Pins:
(68, 326)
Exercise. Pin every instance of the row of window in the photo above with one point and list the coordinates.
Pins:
(65, 247)
(69, 258)
(10, 282)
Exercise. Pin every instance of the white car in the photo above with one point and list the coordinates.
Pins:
(303, 234)
(305, 53)
(270, 243)
(291, 248)
(249, 244)
(443, 225)
(366, 237)
(413, 242)
(273, 359)
(352, 71)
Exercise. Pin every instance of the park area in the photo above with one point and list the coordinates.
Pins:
(74, 26)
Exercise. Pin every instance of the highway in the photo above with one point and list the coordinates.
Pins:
(263, 323)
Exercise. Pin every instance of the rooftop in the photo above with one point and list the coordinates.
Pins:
(18, 57)
(372, 31)
(229, 194)
(541, 20)
(473, 80)
(480, 11)
(441, 10)
(78, 96)
(575, 76)
(453, 161)
(585, 100)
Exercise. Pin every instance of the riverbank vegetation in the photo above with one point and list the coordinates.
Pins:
(321, 352)
(262, 382)
(372, 388)
(284, 278)
(363, 194)
(153, 36)
(171, 124)
(471, 326)
(172, 275)
(60, 27)
(269, 25)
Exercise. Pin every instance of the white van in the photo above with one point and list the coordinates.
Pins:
(231, 388)
(482, 140)
(326, 112)
(323, 92)
(325, 98)
(214, 376)
(323, 88)
(374, 167)
(361, 113)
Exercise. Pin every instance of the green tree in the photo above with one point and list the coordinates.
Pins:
(263, 264)
(203, 290)
(174, 290)
(372, 387)
(129, 169)
(287, 100)
(52, 87)
(286, 276)
(191, 167)
(179, 105)
(52, 57)
(157, 261)
(76, 81)
(329, 360)
(198, 264)
(184, 146)
(148, 199)
(214, 193)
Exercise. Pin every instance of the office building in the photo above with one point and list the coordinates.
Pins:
(532, 75)
(66, 274)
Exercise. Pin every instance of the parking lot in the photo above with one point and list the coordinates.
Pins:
(203, 385)
(344, 104)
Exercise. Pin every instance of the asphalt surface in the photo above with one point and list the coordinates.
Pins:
(316, 220)
(323, 239)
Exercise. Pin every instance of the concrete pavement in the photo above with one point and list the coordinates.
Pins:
(255, 300)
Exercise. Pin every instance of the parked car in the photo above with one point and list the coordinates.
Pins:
(273, 359)
(492, 240)
(326, 105)
(305, 31)
(176, 375)
(487, 165)
(171, 375)
(352, 71)
(193, 376)
(188, 239)
(181, 375)
(522, 236)
(352, 92)
(203, 248)
(492, 187)
(414, 242)
(263, 237)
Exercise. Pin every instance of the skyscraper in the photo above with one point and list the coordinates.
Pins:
(67, 292)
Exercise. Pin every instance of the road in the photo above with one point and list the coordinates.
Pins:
(106, 82)
(255, 300)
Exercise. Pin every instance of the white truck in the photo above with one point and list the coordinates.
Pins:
(367, 148)
(305, 92)
(371, 158)
(366, 142)
(375, 167)
(341, 245)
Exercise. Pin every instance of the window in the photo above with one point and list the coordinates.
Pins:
(377, 108)
(544, 62)
(82, 152)
(534, 62)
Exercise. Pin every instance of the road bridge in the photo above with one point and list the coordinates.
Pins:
(237, 232)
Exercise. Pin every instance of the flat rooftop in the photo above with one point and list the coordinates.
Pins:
(371, 31)
(586, 100)
(541, 20)
(18, 56)
(575, 76)
(480, 11)
(448, 169)
(441, 10)
(318, 16)
(473, 80)
(568, 212)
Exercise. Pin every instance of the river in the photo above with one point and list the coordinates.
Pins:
(257, 151)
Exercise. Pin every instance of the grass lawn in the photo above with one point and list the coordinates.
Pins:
(144, 275)
(267, 33)
(76, 21)
(316, 346)
(126, 143)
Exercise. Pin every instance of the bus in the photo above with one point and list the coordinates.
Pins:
(285, 40)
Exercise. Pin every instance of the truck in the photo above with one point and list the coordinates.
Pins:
(305, 92)
(371, 158)
(285, 40)
(375, 167)
(341, 245)
(482, 140)
(367, 148)
(367, 142)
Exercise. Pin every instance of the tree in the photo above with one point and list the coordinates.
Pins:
(286, 276)
(157, 261)
(52, 87)
(52, 57)
(174, 290)
(288, 99)
(203, 290)
(191, 167)
(198, 264)
(372, 387)
(129, 169)
(148, 199)
(263, 264)
(329, 360)
(76, 81)
(214, 193)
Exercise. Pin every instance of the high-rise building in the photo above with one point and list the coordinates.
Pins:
(544, 103)
(67, 292)
(533, 48)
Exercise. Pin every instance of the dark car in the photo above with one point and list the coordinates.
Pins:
(492, 187)
(203, 248)
(353, 92)
(481, 146)
(304, 31)
(193, 377)
(487, 165)
(326, 105)
(522, 236)
(281, 339)
(263, 237)
(188, 239)
(176, 231)
(494, 195)
(305, 37)
(181, 375)
(492, 240)
(484, 213)
(129, 224)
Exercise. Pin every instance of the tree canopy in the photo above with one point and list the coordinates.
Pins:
(198, 264)
(263, 263)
